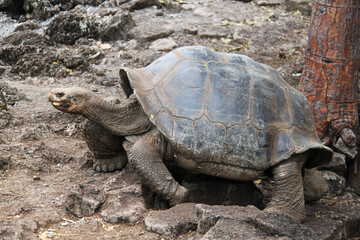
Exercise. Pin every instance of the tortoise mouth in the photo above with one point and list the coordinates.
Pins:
(60, 101)
(61, 104)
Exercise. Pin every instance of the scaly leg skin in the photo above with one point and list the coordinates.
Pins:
(288, 193)
(147, 160)
(106, 147)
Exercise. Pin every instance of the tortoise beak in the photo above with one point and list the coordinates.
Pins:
(60, 100)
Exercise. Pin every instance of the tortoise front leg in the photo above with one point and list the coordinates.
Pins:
(146, 156)
(106, 147)
(288, 193)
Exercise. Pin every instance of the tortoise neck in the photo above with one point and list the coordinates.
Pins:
(123, 119)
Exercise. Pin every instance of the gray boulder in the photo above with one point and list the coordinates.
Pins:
(5, 4)
(155, 29)
(124, 203)
(133, 5)
(332, 219)
(336, 183)
(83, 201)
(42, 10)
(11, 6)
(337, 164)
(212, 31)
(21, 229)
(172, 222)
(304, 6)
(45, 9)
(27, 37)
(268, 3)
(116, 28)
(209, 215)
(67, 27)
(343, 148)
(229, 229)
(163, 44)
(121, 209)
(244, 0)
(234, 222)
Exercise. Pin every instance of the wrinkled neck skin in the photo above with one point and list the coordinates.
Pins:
(123, 119)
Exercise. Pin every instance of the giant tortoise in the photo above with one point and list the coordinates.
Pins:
(213, 113)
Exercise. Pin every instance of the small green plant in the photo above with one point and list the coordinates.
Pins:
(83, 26)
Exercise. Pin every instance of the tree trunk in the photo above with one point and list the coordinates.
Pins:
(330, 75)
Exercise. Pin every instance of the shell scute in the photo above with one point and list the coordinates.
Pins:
(205, 130)
(269, 102)
(284, 147)
(184, 134)
(199, 53)
(159, 69)
(165, 119)
(228, 98)
(303, 117)
(251, 146)
(245, 61)
(183, 93)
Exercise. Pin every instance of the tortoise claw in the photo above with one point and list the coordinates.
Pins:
(111, 168)
(97, 168)
(110, 164)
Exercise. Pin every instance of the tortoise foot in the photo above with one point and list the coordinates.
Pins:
(288, 193)
(295, 215)
(110, 164)
(180, 196)
(315, 186)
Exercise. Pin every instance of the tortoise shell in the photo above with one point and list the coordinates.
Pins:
(225, 109)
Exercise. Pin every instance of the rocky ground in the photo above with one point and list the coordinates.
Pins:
(48, 189)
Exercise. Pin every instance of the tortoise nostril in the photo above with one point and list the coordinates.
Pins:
(59, 95)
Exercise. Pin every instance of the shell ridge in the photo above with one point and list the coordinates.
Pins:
(207, 89)
(167, 111)
(216, 122)
(251, 102)
(178, 54)
(170, 134)
(166, 75)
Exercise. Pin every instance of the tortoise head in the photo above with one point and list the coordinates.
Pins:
(70, 100)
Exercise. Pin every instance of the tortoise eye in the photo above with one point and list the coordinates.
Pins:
(60, 95)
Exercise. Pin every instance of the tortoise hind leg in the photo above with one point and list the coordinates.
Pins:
(288, 193)
(106, 147)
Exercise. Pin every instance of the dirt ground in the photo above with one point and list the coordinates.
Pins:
(42, 154)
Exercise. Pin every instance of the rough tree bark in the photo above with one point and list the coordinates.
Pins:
(330, 75)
